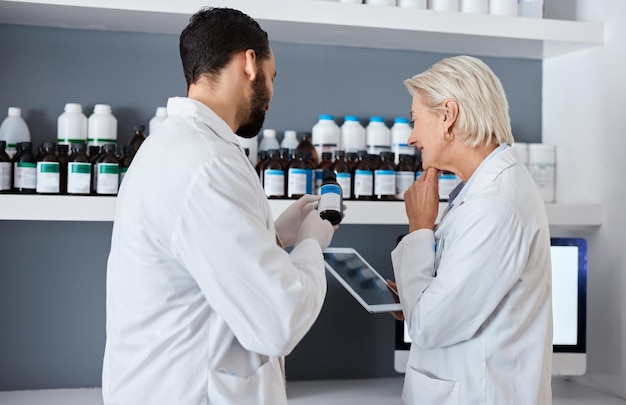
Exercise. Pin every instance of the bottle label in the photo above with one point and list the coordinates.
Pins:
(48, 177)
(447, 183)
(108, 175)
(25, 175)
(330, 199)
(5, 176)
(363, 183)
(384, 182)
(404, 180)
(345, 181)
(297, 181)
(78, 177)
(274, 182)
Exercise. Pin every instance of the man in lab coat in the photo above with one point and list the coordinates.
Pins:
(202, 299)
(476, 289)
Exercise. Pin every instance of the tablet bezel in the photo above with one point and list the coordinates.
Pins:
(372, 308)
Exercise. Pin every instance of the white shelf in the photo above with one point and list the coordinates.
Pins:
(21, 207)
(329, 23)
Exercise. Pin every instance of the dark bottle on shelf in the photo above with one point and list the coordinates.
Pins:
(24, 169)
(405, 174)
(299, 176)
(344, 176)
(79, 170)
(107, 170)
(63, 155)
(273, 176)
(5, 169)
(128, 153)
(48, 170)
(263, 157)
(385, 177)
(363, 178)
(306, 146)
(324, 164)
(138, 137)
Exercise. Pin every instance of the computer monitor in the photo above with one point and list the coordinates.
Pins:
(569, 302)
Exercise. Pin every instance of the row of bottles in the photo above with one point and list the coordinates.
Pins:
(63, 169)
(72, 126)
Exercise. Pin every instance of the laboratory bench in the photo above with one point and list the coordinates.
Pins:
(379, 391)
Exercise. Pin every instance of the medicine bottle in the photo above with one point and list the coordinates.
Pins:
(253, 145)
(326, 134)
(128, 153)
(447, 182)
(159, 116)
(400, 133)
(273, 176)
(94, 153)
(363, 178)
(352, 134)
(306, 145)
(14, 130)
(78, 170)
(139, 136)
(342, 172)
(5, 169)
(351, 159)
(290, 140)
(385, 178)
(24, 169)
(299, 176)
(72, 125)
(107, 171)
(63, 155)
(325, 163)
(405, 174)
(378, 136)
(48, 170)
(330, 204)
(269, 140)
(102, 126)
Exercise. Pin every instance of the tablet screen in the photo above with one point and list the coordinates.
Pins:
(359, 276)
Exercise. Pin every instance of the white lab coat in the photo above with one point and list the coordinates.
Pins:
(479, 308)
(201, 303)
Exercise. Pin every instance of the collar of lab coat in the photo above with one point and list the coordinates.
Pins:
(492, 169)
(187, 107)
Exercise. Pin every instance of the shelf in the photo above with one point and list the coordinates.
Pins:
(102, 208)
(327, 23)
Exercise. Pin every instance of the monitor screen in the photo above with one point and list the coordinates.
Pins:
(569, 301)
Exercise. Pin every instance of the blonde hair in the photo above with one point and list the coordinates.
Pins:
(483, 115)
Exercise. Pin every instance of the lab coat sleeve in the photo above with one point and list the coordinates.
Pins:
(268, 298)
(481, 260)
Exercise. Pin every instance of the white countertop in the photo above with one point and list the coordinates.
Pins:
(328, 392)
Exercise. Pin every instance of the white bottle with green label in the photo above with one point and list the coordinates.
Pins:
(14, 130)
(102, 126)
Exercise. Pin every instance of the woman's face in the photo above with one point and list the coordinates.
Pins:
(428, 134)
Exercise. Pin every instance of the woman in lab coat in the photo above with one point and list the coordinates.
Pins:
(475, 289)
(201, 301)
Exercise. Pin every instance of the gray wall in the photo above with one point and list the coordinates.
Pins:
(52, 274)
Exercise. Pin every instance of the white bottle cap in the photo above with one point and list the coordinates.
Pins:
(102, 108)
(73, 108)
(269, 133)
(15, 112)
(290, 133)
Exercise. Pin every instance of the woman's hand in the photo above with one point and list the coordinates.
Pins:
(421, 201)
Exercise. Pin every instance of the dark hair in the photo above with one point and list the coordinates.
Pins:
(213, 36)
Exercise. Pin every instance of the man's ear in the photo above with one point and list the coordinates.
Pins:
(250, 65)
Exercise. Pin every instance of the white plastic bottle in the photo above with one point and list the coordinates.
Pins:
(378, 136)
(159, 117)
(326, 135)
(400, 133)
(102, 126)
(542, 164)
(443, 5)
(475, 6)
(352, 134)
(413, 3)
(14, 130)
(290, 140)
(72, 125)
(252, 144)
(269, 140)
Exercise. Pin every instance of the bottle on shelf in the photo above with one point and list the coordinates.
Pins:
(14, 130)
(306, 146)
(79, 170)
(447, 182)
(139, 136)
(24, 169)
(94, 153)
(128, 153)
(324, 164)
(290, 140)
(72, 125)
(107, 171)
(299, 176)
(352, 159)
(378, 136)
(5, 169)
(325, 134)
(263, 157)
(63, 155)
(273, 176)
(159, 116)
(252, 144)
(48, 171)
(269, 140)
(343, 174)
(385, 178)
(102, 126)
(352, 134)
(405, 174)
(363, 178)
(400, 133)
(330, 205)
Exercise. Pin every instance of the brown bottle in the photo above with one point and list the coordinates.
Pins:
(363, 178)
(385, 177)
(325, 164)
(24, 169)
(273, 175)
(128, 153)
(405, 174)
(342, 173)
(263, 157)
(299, 175)
(107, 171)
(138, 137)
(63, 155)
(5, 169)
(78, 170)
(306, 146)
(48, 170)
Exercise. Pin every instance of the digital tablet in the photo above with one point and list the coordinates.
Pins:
(368, 287)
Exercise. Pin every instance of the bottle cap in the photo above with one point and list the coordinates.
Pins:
(15, 112)
(3, 144)
(327, 155)
(73, 108)
(377, 118)
(352, 118)
(78, 147)
(269, 133)
(327, 117)
(102, 108)
(400, 120)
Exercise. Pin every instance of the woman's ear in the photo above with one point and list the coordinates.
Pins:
(450, 113)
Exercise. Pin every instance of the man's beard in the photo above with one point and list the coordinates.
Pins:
(255, 110)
